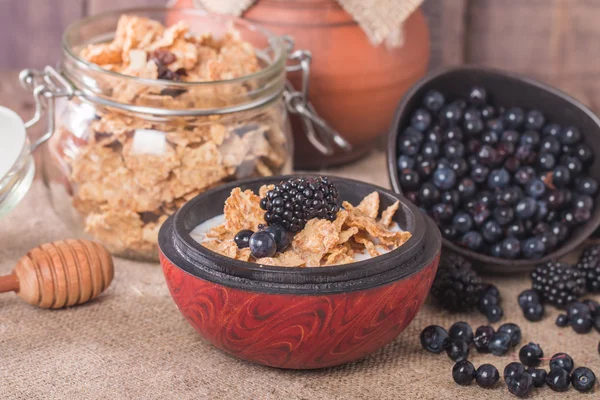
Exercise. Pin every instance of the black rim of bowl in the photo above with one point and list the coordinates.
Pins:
(186, 253)
(489, 261)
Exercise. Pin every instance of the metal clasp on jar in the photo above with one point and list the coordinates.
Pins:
(319, 132)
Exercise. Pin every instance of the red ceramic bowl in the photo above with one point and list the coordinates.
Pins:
(299, 318)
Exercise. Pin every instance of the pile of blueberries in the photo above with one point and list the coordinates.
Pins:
(519, 379)
(497, 180)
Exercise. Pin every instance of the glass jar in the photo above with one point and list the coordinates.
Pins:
(128, 151)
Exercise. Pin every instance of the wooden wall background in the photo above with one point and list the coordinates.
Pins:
(556, 41)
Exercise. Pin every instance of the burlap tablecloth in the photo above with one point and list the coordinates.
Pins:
(132, 343)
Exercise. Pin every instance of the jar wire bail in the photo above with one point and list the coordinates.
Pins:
(46, 86)
(320, 134)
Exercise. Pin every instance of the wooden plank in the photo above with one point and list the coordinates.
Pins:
(446, 20)
(31, 30)
(97, 6)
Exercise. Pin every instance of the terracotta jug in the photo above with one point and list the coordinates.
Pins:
(354, 85)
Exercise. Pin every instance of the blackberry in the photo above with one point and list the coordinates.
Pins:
(293, 202)
(457, 287)
(558, 283)
(589, 266)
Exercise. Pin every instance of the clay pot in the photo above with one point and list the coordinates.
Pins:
(354, 85)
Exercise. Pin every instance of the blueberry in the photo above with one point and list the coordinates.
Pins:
(421, 119)
(466, 188)
(562, 360)
(444, 178)
(593, 306)
(487, 376)
(520, 385)
(409, 179)
(454, 149)
(573, 165)
(597, 323)
(453, 133)
(482, 343)
(583, 379)
(511, 164)
(560, 230)
(550, 145)
(514, 116)
(242, 238)
(526, 208)
(513, 330)
(494, 314)
(491, 231)
(527, 297)
(460, 167)
(570, 136)
(553, 130)
(498, 178)
(484, 330)
(562, 320)
(496, 250)
(533, 248)
(458, 350)
(531, 354)
(546, 161)
(477, 95)
(534, 119)
(491, 290)
(408, 145)
(485, 198)
(561, 176)
(442, 212)
(479, 173)
(512, 370)
(428, 194)
(451, 114)
(450, 197)
(578, 309)
(538, 375)
(414, 132)
(516, 229)
(503, 215)
(472, 240)
(262, 245)
(500, 343)
(434, 339)
(281, 236)
(584, 153)
(487, 155)
(489, 137)
(462, 222)
(488, 112)
(433, 100)
(536, 188)
(558, 379)
(510, 136)
(434, 135)
(425, 167)
(524, 175)
(463, 373)
(526, 154)
(533, 312)
(461, 330)
(587, 186)
(530, 138)
(473, 126)
(582, 324)
(430, 149)
(405, 162)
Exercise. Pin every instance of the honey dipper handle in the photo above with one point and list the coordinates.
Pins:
(9, 283)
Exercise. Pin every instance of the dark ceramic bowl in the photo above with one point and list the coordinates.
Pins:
(509, 90)
(298, 318)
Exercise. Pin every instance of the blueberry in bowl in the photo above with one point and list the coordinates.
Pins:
(514, 182)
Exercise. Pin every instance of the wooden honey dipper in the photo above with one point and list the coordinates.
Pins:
(60, 274)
